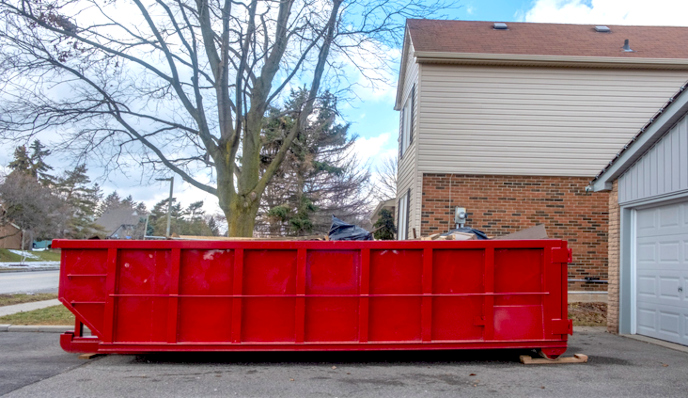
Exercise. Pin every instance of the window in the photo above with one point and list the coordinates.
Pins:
(403, 215)
(407, 122)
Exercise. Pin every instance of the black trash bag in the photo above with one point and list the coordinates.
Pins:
(480, 235)
(343, 231)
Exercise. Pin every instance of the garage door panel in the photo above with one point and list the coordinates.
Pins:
(669, 217)
(647, 320)
(647, 286)
(661, 256)
(646, 220)
(669, 288)
(669, 323)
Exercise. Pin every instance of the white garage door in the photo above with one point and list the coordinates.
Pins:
(662, 272)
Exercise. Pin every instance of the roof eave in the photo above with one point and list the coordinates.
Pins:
(549, 60)
(402, 69)
(656, 128)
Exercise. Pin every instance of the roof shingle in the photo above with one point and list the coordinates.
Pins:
(548, 39)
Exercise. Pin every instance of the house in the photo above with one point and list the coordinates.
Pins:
(648, 228)
(11, 237)
(384, 205)
(511, 121)
(121, 223)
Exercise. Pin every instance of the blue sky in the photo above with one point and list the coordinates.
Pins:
(374, 118)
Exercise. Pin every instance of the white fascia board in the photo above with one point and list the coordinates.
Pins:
(402, 70)
(642, 143)
(551, 60)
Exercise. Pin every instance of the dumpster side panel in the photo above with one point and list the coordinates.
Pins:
(458, 272)
(201, 296)
(396, 278)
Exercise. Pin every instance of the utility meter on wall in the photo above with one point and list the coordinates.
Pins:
(460, 217)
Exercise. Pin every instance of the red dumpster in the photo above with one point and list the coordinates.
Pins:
(151, 296)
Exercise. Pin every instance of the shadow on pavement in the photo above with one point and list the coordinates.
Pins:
(397, 358)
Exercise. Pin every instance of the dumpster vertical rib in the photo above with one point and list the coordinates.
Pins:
(426, 308)
(110, 284)
(173, 301)
(489, 288)
(364, 290)
(300, 312)
(236, 292)
(548, 301)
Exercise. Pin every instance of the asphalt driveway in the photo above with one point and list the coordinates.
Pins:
(618, 367)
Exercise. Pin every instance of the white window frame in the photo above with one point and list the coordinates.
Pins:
(402, 225)
(407, 122)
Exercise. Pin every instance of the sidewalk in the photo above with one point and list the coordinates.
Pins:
(36, 305)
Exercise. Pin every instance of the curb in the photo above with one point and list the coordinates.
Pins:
(36, 328)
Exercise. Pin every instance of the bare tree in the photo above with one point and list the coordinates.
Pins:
(32, 207)
(386, 179)
(184, 84)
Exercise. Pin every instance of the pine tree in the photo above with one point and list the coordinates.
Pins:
(75, 188)
(21, 162)
(319, 177)
(384, 226)
(39, 169)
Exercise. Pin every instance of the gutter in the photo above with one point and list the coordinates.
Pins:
(551, 60)
(648, 135)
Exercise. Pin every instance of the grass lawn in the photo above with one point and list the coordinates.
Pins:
(57, 315)
(12, 299)
(45, 255)
(588, 314)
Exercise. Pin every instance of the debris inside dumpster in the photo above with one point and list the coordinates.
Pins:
(466, 233)
(343, 231)
(536, 232)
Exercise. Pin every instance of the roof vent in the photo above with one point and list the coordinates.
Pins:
(500, 26)
(627, 47)
(602, 29)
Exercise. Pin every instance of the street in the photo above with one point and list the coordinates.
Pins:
(29, 282)
(618, 367)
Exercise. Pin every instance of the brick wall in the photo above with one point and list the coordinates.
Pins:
(499, 205)
(614, 260)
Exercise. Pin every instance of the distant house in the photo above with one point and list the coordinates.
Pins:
(388, 204)
(511, 121)
(12, 237)
(121, 223)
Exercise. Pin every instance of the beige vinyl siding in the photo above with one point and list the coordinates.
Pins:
(533, 121)
(407, 167)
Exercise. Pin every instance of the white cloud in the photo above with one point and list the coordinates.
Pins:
(369, 150)
(612, 12)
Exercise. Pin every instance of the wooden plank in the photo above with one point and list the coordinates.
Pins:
(89, 355)
(576, 358)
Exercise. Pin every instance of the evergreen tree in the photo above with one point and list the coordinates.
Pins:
(39, 169)
(320, 175)
(384, 226)
(32, 164)
(188, 221)
(75, 188)
(21, 162)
